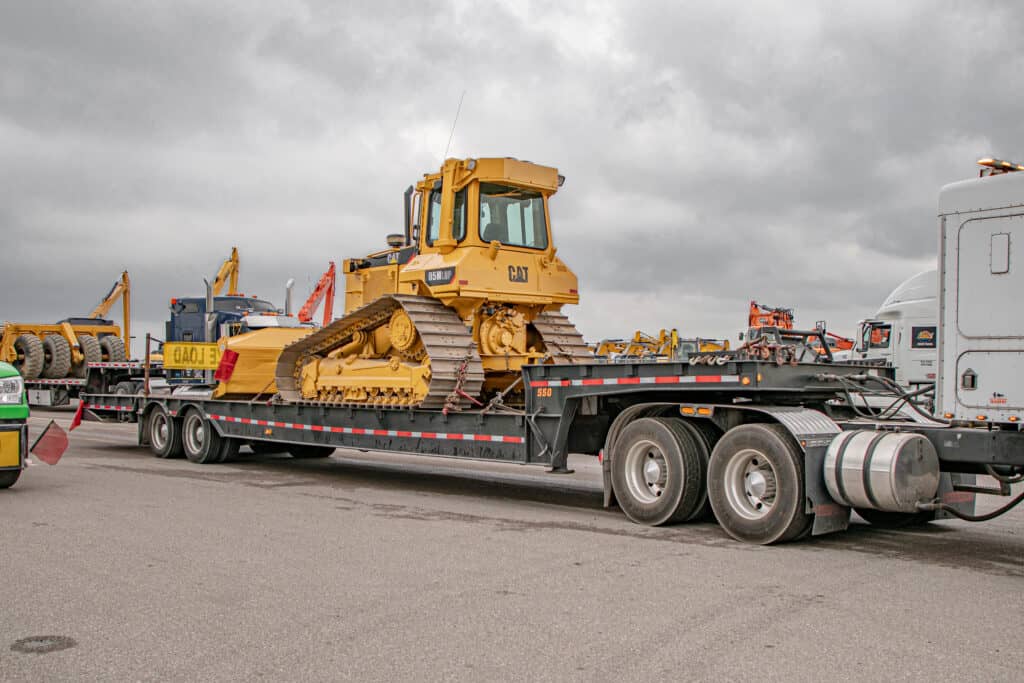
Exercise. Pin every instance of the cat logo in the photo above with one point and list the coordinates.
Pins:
(518, 274)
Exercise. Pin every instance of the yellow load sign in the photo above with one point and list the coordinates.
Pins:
(191, 356)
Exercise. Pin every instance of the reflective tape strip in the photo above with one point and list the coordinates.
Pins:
(98, 406)
(358, 431)
(663, 379)
(57, 382)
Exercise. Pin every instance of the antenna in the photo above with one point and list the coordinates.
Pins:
(450, 135)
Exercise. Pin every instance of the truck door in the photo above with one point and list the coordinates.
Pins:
(989, 321)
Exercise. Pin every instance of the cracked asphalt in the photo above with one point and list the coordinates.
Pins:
(367, 566)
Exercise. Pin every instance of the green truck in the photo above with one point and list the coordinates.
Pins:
(13, 425)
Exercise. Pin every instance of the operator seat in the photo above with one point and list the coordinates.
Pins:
(495, 231)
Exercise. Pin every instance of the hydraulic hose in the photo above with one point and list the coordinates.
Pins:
(971, 518)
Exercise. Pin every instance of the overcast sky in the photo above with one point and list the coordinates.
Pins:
(715, 152)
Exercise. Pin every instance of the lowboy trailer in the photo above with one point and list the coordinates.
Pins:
(775, 439)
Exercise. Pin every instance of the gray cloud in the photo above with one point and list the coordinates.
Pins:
(714, 154)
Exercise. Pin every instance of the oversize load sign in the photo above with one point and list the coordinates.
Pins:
(191, 356)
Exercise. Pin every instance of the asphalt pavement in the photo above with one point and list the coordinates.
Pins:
(365, 566)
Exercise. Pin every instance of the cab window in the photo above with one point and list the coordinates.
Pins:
(434, 217)
(876, 337)
(512, 216)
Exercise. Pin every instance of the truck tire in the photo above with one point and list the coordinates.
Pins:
(229, 449)
(199, 439)
(164, 434)
(8, 478)
(112, 348)
(756, 485)
(125, 389)
(895, 520)
(307, 451)
(702, 448)
(29, 348)
(91, 351)
(656, 473)
(56, 357)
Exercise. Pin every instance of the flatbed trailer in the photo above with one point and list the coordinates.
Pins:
(659, 428)
(100, 378)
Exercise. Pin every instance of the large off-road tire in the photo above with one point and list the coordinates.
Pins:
(199, 439)
(56, 357)
(298, 451)
(8, 478)
(895, 520)
(112, 349)
(756, 485)
(656, 473)
(29, 348)
(164, 434)
(91, 351)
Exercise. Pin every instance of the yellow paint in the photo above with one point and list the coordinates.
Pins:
(257, 358)
(10, 449)
(190, 356)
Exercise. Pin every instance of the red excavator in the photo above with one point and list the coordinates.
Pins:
(324, 291)
(782, 318)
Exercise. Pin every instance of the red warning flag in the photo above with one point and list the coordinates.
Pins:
(77, 419)
(51, 444)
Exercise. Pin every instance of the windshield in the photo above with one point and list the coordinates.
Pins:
(512, 216)
(875, 337)
(242, 304)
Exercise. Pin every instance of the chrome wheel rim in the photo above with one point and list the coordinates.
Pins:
(646, 471)
(194, 434)
(159, 433)
(751, 484)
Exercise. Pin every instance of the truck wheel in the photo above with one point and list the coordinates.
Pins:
(8, 478)
(164, 434)
(702, 449)
(29, 349)
(299, 451)
(112, 348)
(895, 520)
(125, 389)
(56, 357)
(199, 439)
(656, 473)
(756, 485)
(91, 351)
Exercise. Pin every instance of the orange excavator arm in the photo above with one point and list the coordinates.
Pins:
(765, 316)
(324, 291)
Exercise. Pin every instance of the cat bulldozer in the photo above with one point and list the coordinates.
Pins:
(448, 314)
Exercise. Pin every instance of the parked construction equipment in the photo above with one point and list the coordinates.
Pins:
(666, 345)
(322, 293)
(227, 274)
(64, 349)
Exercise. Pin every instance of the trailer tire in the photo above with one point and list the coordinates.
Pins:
(8, 478)
(267, 447)
(228, 449)
(310, 451)
(200, 441)
(56, 357)
(125, 389)
(112, 348)
(702, 448)
(756, 485)
(91, 352)
(30, 348)
(164, 434)
(656, 472)
(894, 520)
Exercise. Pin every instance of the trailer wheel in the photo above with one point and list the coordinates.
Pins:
(56, 357)
(112, 348)
(164, 434)
(125, 389)
(228, 449)
(895, 520)
(8, 478)
(656, 473)
(200, 441)
(308, 451)
(756, 485)
(29, 349)
(91, 351)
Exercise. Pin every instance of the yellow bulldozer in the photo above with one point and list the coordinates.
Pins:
(449, 312)
(64, 349)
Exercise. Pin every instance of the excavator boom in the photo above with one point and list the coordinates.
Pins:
(122, 289)
(228, 273)
(324, 291)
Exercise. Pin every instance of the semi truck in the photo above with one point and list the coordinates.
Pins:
(774, 439)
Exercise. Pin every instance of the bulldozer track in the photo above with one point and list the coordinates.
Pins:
(446, 340)
(564, 342)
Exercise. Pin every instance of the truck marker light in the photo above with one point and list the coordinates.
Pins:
(948, 416)
(759, 377)
(745, 380)
(268, 432)
(1013, 418)
(981, 417)
(688, 410)
(703, 411)
(463, 282)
